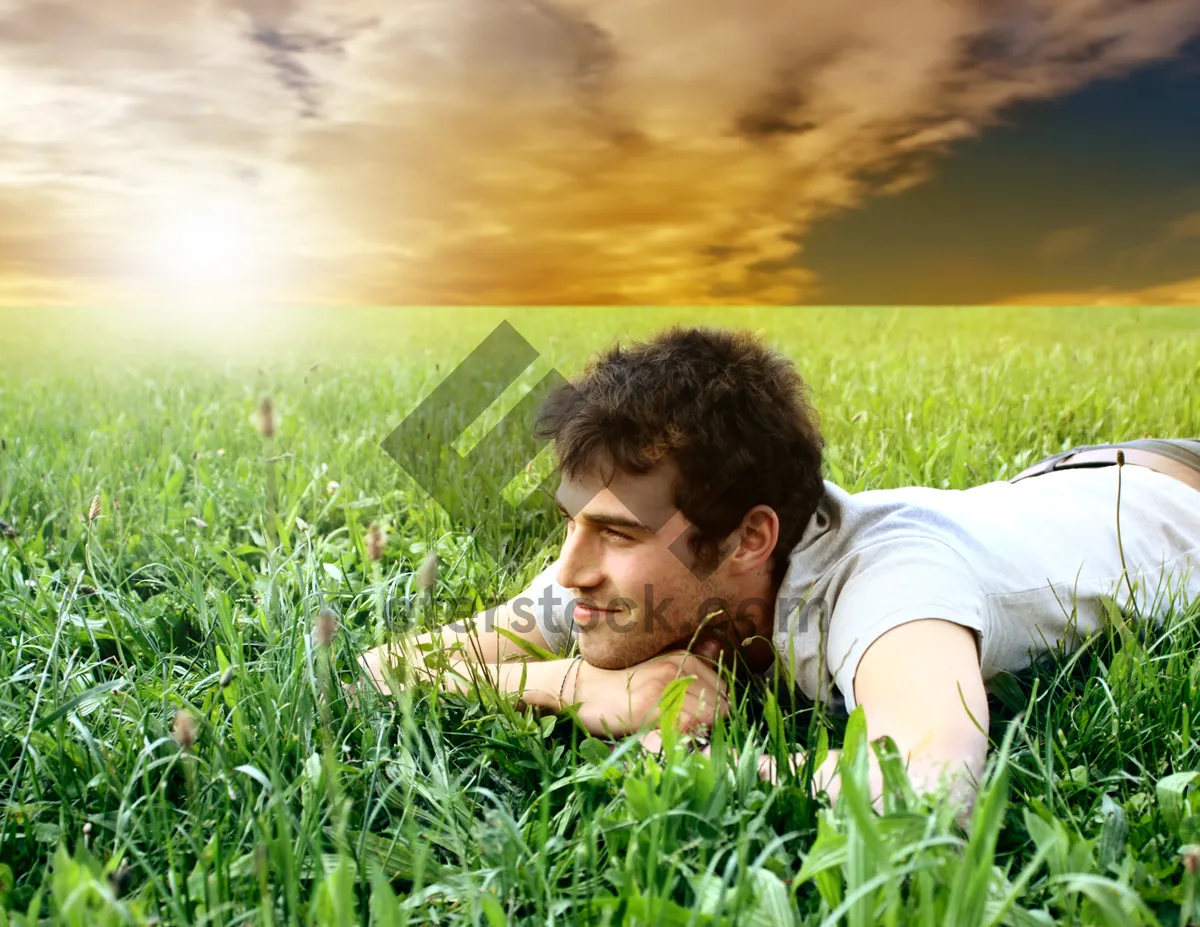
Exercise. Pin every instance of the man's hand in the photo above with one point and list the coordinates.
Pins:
(912, 684)
(926, 773)
(492, 636)
(379, 662)
(920, 684)
(620, 702)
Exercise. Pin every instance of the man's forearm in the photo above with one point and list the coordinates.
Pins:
(609, 702)
(475, 641)
(537, 683)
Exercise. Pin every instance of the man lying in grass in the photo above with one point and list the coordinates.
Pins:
(699, 525)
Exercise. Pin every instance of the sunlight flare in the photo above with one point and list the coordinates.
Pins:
(218, 249)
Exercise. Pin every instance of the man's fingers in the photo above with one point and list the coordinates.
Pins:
(711, 648)
(379, 673)
(710, 703)
(652, 741)
(700, 709)
(366, 663)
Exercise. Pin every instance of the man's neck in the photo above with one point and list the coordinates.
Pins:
(758, 607)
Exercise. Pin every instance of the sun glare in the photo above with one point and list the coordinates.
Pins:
(212, 246)
(212, 249)
(209, 269)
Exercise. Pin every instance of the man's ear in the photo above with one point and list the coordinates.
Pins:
(755, 538)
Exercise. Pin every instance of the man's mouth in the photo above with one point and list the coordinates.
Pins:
(589, 615)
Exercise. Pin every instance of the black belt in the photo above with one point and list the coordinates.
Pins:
(1107, 456)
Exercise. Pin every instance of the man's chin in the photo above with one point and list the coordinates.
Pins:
(607, 658)
(602, 658)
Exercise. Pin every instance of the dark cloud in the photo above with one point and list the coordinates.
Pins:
(778, 112)
(286, 51)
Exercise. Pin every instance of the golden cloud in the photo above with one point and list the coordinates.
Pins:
(506, 151)
(1184, 227)
(1184, 292)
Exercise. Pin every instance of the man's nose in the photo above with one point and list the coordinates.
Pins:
(577, 563)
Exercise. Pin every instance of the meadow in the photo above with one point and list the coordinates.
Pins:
(177, 747)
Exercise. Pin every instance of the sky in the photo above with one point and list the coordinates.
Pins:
(236, 153)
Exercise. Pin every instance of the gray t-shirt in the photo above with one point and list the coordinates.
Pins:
(1011, 561)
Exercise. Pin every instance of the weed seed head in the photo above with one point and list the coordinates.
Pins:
(427, 575)
(325, 627)
(266, 417)
(376, 539)
(118, 880)
(94, 509)
(184, 730)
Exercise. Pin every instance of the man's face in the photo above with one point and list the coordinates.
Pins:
(624, 556)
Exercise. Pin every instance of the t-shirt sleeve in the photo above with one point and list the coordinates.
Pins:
(894, 582)
(544, 601)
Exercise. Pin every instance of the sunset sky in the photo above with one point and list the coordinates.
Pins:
(284, 152)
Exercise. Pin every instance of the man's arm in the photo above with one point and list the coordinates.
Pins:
(486, 638)
(912, 684)
(608, 702)
(477, 641)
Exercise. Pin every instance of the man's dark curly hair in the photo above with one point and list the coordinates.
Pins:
(731, 413)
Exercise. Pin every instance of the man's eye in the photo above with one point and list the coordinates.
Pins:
(617, 534)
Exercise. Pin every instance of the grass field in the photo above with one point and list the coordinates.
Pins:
(140, 574)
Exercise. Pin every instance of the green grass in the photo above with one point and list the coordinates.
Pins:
(296, 806)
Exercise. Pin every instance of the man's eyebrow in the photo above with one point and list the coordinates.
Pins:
(612, 521)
